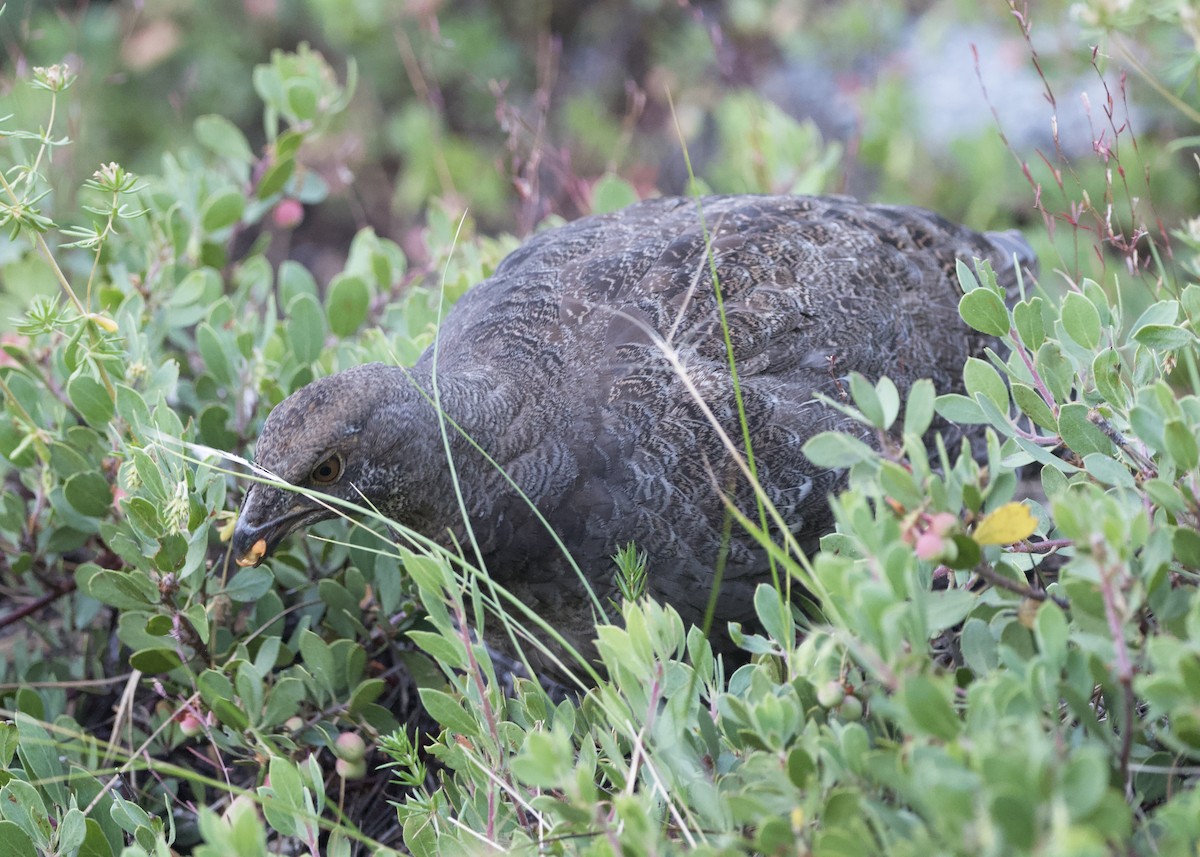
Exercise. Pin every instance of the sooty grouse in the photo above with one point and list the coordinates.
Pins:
(557, 367)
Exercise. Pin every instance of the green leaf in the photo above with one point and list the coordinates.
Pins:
(250, 584)
(283, 700)
(125, 590)
(150, 475)
(1160, 313)
(1027, 318)
(347, 303)
(155, 661)
(867, 399)
(1056, 371)
(72, 830)
(214, 349)
(1079, 432)
(221, 136)
(930, 708)
(1190, 300)
(95, 843)
(1085, 780)
(295, 279)
(15, 842)
(214, 431)
(446, 710)
(981, 379)
(20, 803)
(1106, 370)
(983, 310)
(305, 325)
(959, 409)
(318, 659)
(288, 144)
(1186, 545)
(1080, 320)
(275, 177)
(301, 98)
(612, 193)
(967, 553)
(91, 399)
(1164, 337)
(918, 410)
(836, 450)
(228, 712)
(1180, 443)
(899, 483)
(131, 407)
(89, 494)
(446, 651)
(544, 760)
(285, 782)
(365, 693)
(979, 647)
(775, 614)
(1034, 406)
(1148, 425)
(948, 607)
(1052, 633)
(1014, 814)
(214, 685)
(1108, 470)
(40, 756)
(889, 400)
(222, 210)
(966, 277)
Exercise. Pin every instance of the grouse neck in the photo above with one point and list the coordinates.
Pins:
(470, 404)
(442, 428)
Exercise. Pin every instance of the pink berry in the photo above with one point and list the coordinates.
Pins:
(288, 213)
(929, 545)
(942, 522)
(190, 725)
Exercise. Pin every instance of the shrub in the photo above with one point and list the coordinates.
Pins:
(1005, 657)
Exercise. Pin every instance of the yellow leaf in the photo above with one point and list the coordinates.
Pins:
(1010, 523)
(103, 321)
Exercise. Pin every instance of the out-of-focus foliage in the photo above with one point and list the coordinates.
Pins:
(201, 214)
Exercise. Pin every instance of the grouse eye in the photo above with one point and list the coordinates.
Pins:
(328, 470)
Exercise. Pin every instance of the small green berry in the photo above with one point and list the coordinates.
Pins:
(831, 694)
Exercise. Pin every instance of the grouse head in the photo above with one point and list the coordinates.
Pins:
(341, 436)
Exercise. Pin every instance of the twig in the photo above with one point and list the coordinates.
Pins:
(1037, 378)
(989, 574)
(58, 590)
(1044, 546)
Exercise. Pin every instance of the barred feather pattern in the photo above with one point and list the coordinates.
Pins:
(589, 400)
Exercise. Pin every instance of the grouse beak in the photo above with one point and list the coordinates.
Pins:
(261, 526)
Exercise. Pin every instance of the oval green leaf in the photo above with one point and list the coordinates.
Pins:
(222, 210)
(1081, 320)
(91, 399)
(275, 178)
(305, 327)
(983, 310)
(347, 303)
(89, 494)
(221, 136)
(155, 661)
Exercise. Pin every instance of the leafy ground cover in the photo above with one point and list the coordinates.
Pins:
(1005, 657)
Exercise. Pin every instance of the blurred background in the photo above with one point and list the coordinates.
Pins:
(991, 114)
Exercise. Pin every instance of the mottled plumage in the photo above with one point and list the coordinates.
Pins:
(556, 367)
